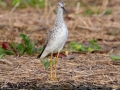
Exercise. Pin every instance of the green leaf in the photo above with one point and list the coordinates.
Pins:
(47, 64)
(25, 38)
(20, 48)
(84, 48)
(8, 52)
(2, 50)
(115, 57)
(30, 48)
(94, 45)
(39, 49)
(23, 35)
(90, 49)
(93, 41)
(2, 55)
(76, 47)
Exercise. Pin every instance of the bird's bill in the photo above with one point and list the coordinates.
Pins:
(64, 9)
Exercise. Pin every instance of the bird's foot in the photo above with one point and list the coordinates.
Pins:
(52, 79)
(55, 79)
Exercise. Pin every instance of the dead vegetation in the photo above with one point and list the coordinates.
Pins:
(84, 70)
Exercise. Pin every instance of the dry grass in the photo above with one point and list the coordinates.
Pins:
(95, 69)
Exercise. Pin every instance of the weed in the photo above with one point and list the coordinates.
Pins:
(46, 62)
(94, 45)
(92, 10)
(89, 12)
(108, 12)
(25, 47)
(115, 57)
(76, 47)
(4, 51)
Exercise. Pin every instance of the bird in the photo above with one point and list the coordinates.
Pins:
(55, 39)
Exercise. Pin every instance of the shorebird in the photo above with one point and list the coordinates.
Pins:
(56, 39)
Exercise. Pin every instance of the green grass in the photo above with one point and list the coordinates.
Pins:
(92, 11)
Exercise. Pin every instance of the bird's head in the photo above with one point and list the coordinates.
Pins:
(61, 5)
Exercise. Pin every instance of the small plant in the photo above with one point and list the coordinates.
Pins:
(89, 12)
(76, 47)
(92, 10)
(5, 50)
(94, 46)
(25, 47)
(108, 12)
(46, 62)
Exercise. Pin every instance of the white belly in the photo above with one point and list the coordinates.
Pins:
(56, 41)
(59, 41)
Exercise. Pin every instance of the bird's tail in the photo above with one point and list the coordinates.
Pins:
(39, 56)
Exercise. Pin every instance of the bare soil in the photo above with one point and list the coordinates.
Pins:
(85, 71)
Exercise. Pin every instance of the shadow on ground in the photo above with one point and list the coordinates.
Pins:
(63, 86)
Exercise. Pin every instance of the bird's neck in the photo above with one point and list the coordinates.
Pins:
(59, 17)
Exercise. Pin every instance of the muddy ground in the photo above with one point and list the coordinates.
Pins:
(85, 71)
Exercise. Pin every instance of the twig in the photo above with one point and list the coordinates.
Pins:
(90, 28)
(75, 24)
(11, 15)
(11, 21)
(78, 8)
(45, 10)
(104, 6)
(91, 24)
(84, 22)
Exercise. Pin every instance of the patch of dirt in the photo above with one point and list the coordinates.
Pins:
(85, 71)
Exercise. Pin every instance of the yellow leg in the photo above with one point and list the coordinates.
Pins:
(55, 76)
(51, 66)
